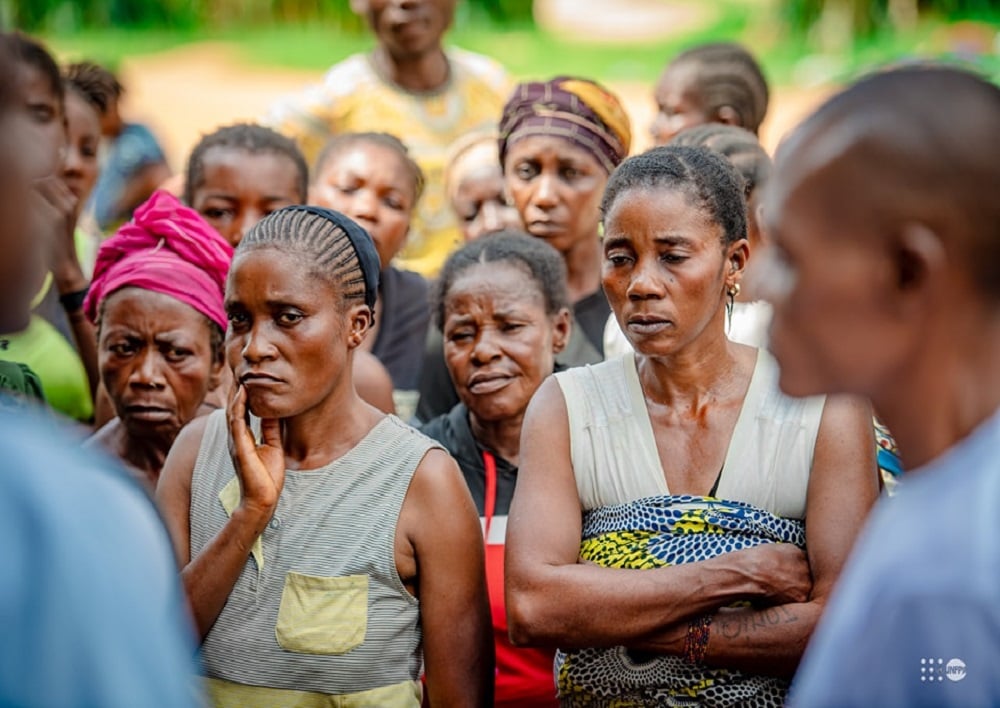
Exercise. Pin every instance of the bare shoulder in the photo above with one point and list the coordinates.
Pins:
(547, 401)
(179, 465)
(105, 437)
(436, 475)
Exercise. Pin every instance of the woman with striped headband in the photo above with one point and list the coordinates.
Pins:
(559, 142)
(330, 552)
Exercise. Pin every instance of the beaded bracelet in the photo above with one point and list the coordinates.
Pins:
(696, 641)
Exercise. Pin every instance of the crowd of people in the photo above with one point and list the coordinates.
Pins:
(426, 390)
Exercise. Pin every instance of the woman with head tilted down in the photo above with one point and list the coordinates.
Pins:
(503, 310)
(156, 300)
(308, 525)
(678, 523)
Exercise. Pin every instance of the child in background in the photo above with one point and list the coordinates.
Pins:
(710, 83)
(132, 164)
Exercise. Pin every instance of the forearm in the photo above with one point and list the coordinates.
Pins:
(69, 278)
(586, 605)
(767, 641)
(210, 577)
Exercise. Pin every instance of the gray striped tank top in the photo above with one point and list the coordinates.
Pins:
(319, 608)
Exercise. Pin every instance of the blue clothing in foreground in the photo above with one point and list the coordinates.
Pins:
(915, 620)
(90, 606)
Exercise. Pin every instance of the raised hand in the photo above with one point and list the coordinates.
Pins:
(259, 467)
(55, 213)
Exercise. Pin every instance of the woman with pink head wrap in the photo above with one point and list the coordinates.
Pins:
(157, 301)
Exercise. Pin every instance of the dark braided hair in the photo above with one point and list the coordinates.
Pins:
(703, 174)
(92, 79)
(339, 143)
(726, 74)
(532, 255)
(28, 52)
(737, 145)
(77, 78)
(252, 138)
(324, 246)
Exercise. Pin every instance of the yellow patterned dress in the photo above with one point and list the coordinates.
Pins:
(651, 533)
(354, 98)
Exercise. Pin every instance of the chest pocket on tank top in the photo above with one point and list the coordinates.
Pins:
(322, 615)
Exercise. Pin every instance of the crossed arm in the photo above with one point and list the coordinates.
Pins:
(554, 599)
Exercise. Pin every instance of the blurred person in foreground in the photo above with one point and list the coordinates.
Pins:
(89, 603)
(885, 222)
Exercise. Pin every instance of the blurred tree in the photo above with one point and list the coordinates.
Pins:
(40, 15)
(833, 24)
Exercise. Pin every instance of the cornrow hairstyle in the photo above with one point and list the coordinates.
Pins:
(89, 77)
(335, 248)
(28, 52)
(249, 137)
(89, 90)
(704, 175)
(726, 74)
(737, 145)
(536, 258)
(339, 143)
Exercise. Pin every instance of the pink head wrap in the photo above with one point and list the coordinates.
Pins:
(167, 248)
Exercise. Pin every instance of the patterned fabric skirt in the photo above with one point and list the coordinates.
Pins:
(656, 532)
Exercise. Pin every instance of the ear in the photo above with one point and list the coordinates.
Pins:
(728, 116)
(562, 327)
(359, 319)
(737, 255)
(359, 7)
(919, 259)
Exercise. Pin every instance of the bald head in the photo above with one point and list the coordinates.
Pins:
(910, 146)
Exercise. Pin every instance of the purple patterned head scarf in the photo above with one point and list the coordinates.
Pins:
(578, 110)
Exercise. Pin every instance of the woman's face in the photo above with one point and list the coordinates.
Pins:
(84, 132)
(240, 188)
(479, 202)
(289, 334)
(45, 108)
(156, 360)
(556, 187)
(678, 105)
(499, 343)
(373, 185)
(666, 271)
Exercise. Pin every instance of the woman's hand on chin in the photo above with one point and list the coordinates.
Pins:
(259, 467)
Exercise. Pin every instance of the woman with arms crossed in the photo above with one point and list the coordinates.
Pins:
(682, 459)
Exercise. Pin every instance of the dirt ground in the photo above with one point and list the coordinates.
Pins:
(191, 90)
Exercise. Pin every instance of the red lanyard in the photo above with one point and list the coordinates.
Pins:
(490, 502)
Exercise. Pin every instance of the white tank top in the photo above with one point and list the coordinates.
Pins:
(614, 453)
